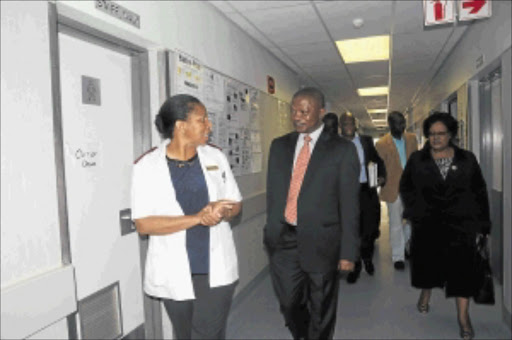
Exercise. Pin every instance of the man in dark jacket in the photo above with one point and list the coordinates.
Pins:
(369, 217)
(312, 217)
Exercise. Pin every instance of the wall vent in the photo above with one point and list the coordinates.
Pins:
(100, 314)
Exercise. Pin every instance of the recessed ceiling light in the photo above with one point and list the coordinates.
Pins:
(364, 49)
(373, 91)
(377, 111)
(358, 22)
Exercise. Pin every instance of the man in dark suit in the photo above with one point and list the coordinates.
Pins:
(369, 204)
(312, 217)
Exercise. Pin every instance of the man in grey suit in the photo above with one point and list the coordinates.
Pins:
(312, 228)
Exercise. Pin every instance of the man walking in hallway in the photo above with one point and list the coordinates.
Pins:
(395, 148)
(312, 217)
(369, 205)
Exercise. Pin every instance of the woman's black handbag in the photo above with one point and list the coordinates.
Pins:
(485, 291)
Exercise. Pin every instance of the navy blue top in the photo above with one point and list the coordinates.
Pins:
(192, 195)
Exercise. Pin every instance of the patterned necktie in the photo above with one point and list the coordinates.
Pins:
(290, 212)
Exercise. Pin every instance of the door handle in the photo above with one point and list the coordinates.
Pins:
(125, 221)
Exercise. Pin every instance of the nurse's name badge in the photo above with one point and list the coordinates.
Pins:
(212, 167)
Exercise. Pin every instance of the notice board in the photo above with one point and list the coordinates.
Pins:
(244, 120)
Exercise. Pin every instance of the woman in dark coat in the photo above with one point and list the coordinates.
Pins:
(445, 198)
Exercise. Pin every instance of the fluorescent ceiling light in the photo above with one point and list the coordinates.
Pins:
(373, 91)
(364, 49)
(377, 111)
(379, 121)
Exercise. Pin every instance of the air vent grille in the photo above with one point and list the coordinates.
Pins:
(100, 314)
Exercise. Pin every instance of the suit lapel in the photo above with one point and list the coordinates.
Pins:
(289, 152)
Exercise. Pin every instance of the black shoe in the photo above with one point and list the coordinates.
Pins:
(399, 265)
(352, 277)
(368, 266)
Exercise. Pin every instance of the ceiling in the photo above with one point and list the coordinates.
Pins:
(302, 34)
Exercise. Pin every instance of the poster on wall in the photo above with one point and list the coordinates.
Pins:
(188, 76)
(213, 100)
(283, 111)
(232, 108)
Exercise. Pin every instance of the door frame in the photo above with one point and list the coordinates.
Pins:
(59, 23)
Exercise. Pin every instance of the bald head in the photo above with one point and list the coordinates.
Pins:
(348, 125)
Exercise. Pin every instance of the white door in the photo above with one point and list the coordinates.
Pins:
(97, 124)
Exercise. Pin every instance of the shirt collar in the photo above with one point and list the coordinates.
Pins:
(314, 135)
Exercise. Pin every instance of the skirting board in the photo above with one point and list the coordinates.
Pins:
(31, 305)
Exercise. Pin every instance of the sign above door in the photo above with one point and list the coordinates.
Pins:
(437, 12)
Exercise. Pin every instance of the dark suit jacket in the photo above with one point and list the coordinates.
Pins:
(460, 201)
(328, 202)
(370, 154)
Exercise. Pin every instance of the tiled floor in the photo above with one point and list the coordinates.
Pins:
(378, 307)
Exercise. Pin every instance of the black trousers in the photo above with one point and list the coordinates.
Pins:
(369, 220)
(308, 301)
(206, 316)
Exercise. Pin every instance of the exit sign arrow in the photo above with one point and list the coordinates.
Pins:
(475, 5)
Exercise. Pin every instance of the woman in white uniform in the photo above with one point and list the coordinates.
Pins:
(183, 195)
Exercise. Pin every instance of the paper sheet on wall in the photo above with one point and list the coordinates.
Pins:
(283, 111)
(213, 91)
(189, 76)
(257, 159)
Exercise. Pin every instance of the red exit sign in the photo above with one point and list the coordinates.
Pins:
(436, 12)
(474, 9)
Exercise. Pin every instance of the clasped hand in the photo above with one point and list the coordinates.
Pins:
(214, 212)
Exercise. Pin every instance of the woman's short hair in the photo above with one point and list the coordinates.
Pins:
(175, 108)
(331, 122)
(311, 92)
(447, 119)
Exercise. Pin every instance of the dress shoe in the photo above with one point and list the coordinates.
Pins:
(368, 266)
(399, 265)
(352, 277)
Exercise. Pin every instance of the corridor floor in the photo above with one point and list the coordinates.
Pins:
(382, 306)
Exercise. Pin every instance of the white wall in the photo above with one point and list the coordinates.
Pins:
(29, 219)
(197, 28)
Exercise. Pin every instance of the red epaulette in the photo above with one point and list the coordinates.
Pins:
(215, 146)
(144, 154)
